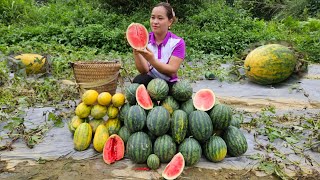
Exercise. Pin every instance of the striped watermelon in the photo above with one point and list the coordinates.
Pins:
(165, 148)
(191, 151)
(124, 133)
(235, 140)
(179, 125)
(235, 122)
(158, 89)
(136, 119)
(182, 90)
(158, 121)
(153, 162)
(221, 116)
(139, 147)
(215, 149)
(130, 93)
(124, 111)
(187, 106)
(170, 104)
(200, 125)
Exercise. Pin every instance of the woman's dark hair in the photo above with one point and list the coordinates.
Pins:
(169, 9)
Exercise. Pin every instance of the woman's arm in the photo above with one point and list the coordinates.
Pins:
(169, 69)
(140, 62)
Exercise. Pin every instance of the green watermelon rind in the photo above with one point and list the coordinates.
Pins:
(165, 148)
(158, 89)
(236, 141)
(191, 150)
(139, 147)
(158, 121)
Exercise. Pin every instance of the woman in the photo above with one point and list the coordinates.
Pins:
(165, 51)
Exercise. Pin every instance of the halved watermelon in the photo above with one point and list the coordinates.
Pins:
(204, 99)
(113, 149)
(174, 168)
(137, 36)
(143, 97)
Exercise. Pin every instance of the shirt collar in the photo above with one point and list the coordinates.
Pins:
(164, 42)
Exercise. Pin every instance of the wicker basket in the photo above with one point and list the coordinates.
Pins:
(101, 76)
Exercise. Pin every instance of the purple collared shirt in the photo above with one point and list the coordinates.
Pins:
(172, 45)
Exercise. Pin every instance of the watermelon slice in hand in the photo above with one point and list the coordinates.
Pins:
(137, 36)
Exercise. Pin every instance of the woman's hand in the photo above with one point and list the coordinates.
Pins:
(146, 53)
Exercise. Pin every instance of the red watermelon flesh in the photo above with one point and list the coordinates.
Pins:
(137, 36)
(143, 98)
(174, 168)
(204, 99)
(113, 149)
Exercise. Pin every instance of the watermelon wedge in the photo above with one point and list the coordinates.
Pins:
(174, 168)
(143, 98)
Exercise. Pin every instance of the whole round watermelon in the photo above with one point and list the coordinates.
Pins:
(270, 64)
(158, 89)
(182, 90)
(139, 147)
(130, 93)
(221, 116)
(191, 151)
(236, 141)
(158, 121)
(165, 148)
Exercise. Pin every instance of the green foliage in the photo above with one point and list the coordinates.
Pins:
(268, 9)
(182, 8)
(220, 29)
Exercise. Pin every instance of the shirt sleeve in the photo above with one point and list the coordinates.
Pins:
(180, 50)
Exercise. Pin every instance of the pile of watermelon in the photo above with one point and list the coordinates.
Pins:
(176, 128)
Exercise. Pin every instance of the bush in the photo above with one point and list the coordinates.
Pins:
(220, 29)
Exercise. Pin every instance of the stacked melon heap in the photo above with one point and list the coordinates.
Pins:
(154, 127)
(89, 123)
(158, 127)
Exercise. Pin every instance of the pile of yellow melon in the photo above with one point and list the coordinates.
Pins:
(96, 118)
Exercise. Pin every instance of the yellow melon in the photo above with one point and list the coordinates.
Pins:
(74, 123)
(118, 99)
(104, 98)
(89, 97)
(98, 111)
(33, 62)
(83, 110)
(112, 112)
(113, 126)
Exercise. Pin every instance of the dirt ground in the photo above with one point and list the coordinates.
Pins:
(97, 169)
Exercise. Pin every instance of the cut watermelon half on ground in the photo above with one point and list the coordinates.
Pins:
(113, 149)
(143, 98)
(174, 168)
(204, 99)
